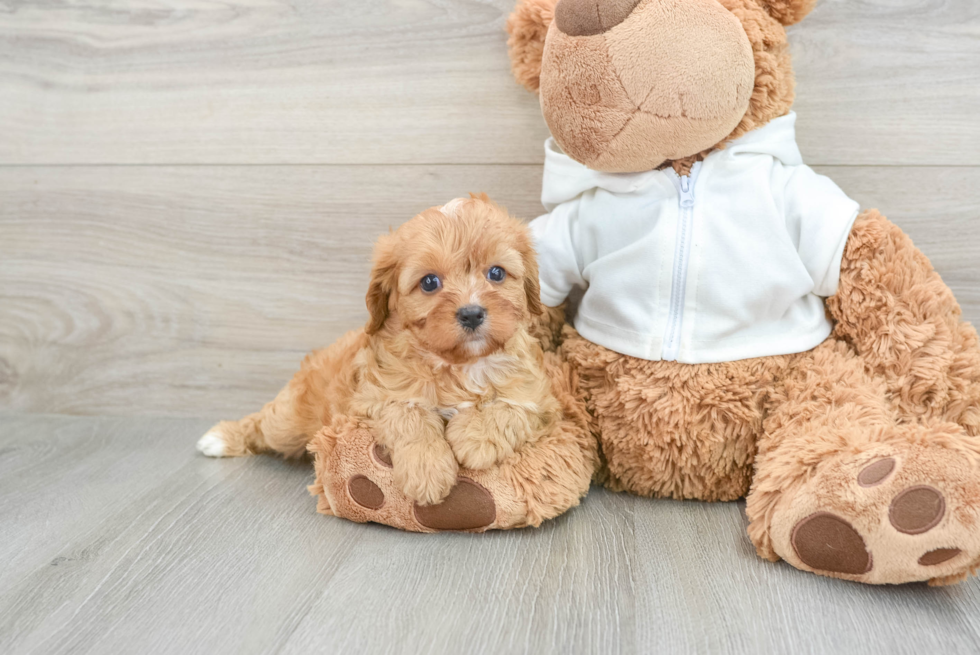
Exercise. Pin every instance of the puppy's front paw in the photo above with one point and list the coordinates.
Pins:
(212, 443)
(425, 473)
(475, 448)
(480, 453)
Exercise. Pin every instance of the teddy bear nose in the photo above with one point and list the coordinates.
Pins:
(590, 17)
(471, 316)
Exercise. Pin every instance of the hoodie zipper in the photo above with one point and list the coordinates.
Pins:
(682, 258)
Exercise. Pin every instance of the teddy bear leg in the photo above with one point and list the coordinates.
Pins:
(902, 319)
(674, 430)
(845, 489)
(355, 480)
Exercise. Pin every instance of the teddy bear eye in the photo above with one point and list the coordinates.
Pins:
(430, 283)
(496, 274)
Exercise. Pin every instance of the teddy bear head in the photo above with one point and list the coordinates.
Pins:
(629, 85)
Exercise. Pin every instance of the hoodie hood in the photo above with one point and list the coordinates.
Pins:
(566, 179)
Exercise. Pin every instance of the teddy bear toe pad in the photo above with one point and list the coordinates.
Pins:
(381, 455)
(875, 473)
(365, 493)
(885, 517)
(467, 507)
(917, 510)
(826, 542)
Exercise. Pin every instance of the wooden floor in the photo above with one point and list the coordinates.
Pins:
(188, 195)
(118, 539)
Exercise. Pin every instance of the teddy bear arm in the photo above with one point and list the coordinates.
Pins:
(547, 327)
(900, 316)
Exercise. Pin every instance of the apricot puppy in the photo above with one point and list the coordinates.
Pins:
(445, 370)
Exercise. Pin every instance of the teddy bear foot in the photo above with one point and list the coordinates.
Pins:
(887, 515)
(469, 506)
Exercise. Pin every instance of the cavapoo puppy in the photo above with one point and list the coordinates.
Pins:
(445, 370)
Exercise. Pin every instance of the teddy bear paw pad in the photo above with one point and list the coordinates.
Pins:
(365, 493)
(467, 507)
(885, 517)
(875, 473)
(917, 510)
(827, 542)
(381, 455)
(938, 556)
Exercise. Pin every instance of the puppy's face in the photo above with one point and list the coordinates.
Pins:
(459, 281)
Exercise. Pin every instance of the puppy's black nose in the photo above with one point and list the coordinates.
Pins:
(471, 316)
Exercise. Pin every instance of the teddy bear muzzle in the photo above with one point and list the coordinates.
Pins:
(591, 17)
(613, 115)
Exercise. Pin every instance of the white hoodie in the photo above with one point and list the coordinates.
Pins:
(728, 263)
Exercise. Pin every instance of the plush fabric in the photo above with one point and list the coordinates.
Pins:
(528, 26)
(859, 458)
(616, 117)
(590, 17)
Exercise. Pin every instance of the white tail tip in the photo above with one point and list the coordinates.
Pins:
(212, 444)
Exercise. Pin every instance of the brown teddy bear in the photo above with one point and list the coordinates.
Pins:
(745, 330)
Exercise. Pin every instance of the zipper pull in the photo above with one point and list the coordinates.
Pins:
(687, 198)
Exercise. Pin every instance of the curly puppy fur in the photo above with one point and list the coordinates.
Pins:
(437, 392)
(890, 403)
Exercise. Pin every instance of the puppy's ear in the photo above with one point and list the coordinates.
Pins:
(532, 286)
(788, 12)
(384, 276)
(528, 26)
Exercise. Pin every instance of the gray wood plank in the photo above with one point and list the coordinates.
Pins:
(125, 276)
(260, 81)
(205, 544)
(564, 588)
(696, 568)
(230, 556)
(190, 291)
(59, 481)
(131, 542)
(887, 83)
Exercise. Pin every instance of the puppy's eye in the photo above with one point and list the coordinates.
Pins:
(496, 274)
(430, 283)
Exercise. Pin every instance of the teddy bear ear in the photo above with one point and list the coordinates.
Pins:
(788, 12)
(528, 26)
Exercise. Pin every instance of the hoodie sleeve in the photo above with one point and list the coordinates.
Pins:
(820, 216)
(556, 242)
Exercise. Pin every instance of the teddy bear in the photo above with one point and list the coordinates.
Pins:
(746, 330)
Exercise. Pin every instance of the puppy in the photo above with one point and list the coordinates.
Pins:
(445, 371)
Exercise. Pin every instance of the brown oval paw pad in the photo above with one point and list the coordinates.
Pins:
(917, 510)
(467, 507)
(365, 493)
(939, 556)
(875, 473)
(381, 455)
(826, 542)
